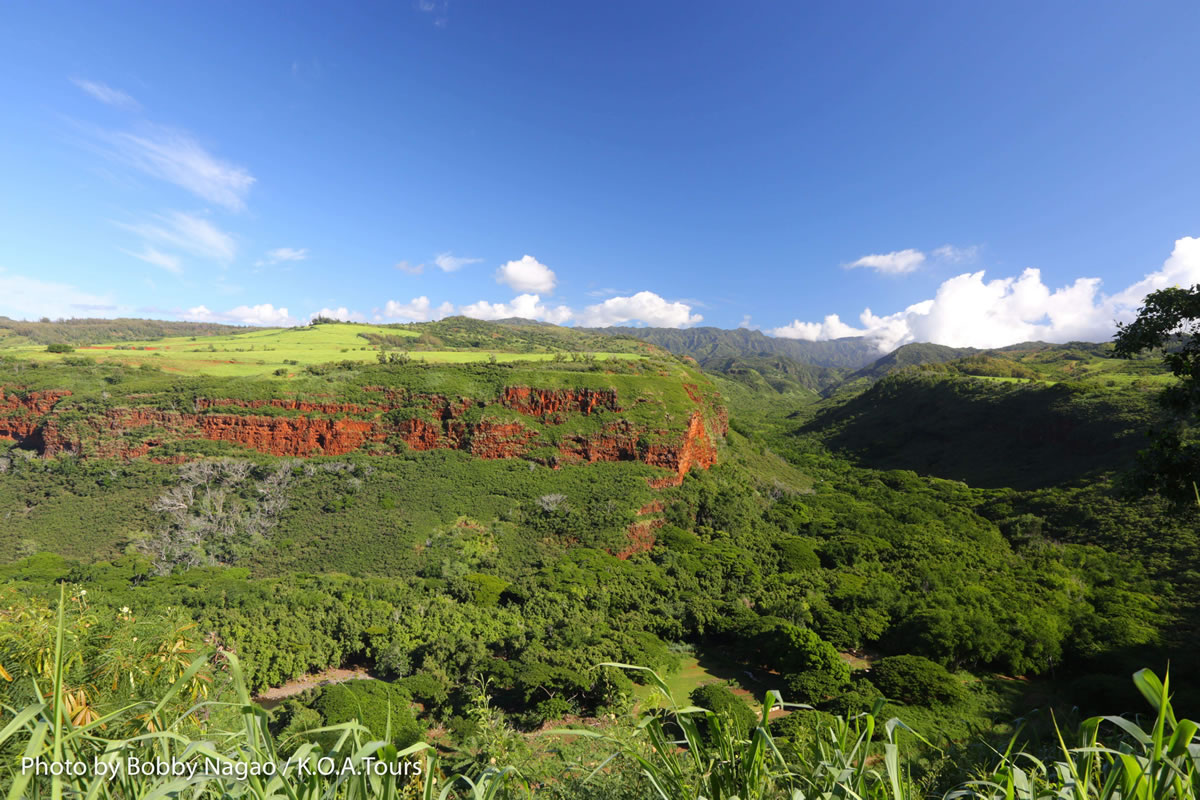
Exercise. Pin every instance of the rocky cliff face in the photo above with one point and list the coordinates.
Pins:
(302, 428)
(21, 415)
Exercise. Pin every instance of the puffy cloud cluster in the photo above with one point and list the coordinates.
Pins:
(341, 313)
(419, 309)
(527, 275)
(968, 311)
(645, 307)
(527, 306)
(262, 314)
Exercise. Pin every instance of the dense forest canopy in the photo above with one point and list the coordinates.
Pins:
(921, 531)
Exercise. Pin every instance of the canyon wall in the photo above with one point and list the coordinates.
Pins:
(420, 421)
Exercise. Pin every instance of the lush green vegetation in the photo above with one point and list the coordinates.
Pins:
(233, 352)
(947, 545)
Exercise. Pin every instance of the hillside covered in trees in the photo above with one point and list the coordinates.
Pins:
(481, 516)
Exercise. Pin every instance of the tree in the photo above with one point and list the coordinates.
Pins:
(916, 680)
(1170, 320)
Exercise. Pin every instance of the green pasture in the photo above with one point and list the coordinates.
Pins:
(268, 350)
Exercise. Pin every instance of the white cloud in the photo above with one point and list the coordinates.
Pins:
(176, 157)
(264, 314)
(897, 262)
(526, 306)
(341, 312)
(158, 258)
(286, 254)
(527, 275)
(410, 269)
(449, 263)
(831, 328)
(188, 232)
(30, 298)
(646, 307)
(955, 255)
(968, 311)
(107, 94)
(419, 309)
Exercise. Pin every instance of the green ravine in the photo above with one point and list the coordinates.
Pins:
(495, 519)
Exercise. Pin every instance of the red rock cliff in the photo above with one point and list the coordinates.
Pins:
(330, 428)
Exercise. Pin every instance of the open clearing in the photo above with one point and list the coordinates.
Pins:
(268, 350)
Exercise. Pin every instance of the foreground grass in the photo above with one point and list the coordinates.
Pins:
(225, 749)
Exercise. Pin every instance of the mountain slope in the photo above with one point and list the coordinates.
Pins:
(708, 343)
(989, 433)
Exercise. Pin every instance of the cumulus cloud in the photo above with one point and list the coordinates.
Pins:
(897, 262)
(526, 306)
(645, 307)
(106, 94)
(158, 258)
(419, 309)
(29, 298)
(264, 314)
(450, 263)
(341, 312)
(527, 275)
(188, 232)
(830, 328)
(174, 156)
(969, 311)
(410, 269)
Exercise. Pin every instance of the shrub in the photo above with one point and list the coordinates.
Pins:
(720, 699)
(916, 680)
(59, 347)
(370, 702)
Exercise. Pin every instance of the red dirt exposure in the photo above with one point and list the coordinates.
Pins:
(641, 538)
(330, 428)
(543, 402)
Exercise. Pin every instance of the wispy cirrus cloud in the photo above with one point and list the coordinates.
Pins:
(107, 94)
(158, 258)
(902, 262)
(176, 157)
(410, 269)
(897, 262)
(448, 262)
(22, 297)
(281, 254)
(956, 255)
(188, 232)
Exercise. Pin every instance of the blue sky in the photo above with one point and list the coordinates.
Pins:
(763, 163)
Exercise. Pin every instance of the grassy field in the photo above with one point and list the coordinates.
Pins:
(268, 350)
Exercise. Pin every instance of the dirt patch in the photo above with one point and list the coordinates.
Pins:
(276, 694)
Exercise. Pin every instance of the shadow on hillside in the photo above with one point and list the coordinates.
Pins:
(988, 434)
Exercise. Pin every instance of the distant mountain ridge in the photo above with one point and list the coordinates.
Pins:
(709, 343)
